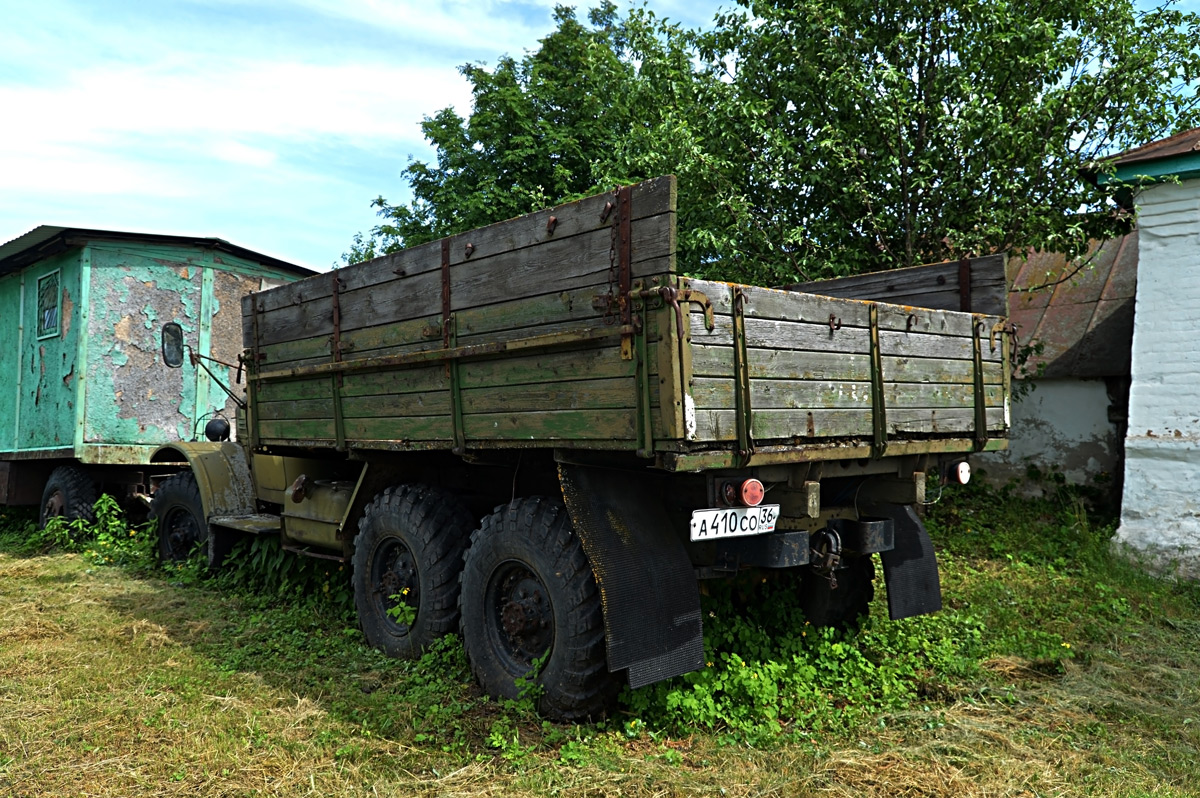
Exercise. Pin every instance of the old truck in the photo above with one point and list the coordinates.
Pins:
(538, 435)
(83, 401)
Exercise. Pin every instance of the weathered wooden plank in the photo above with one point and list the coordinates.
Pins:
(407, 336)
(769, 303)
(556, 425)
(717, 361)
(787, 335)
(601, 394)
(400, 405)
(319, 388)
(719, 425)
(710, 393)
(558, 265)
(408, 428)
(596, 362)
(395, 381)
(649, 198)
(934, 285)
(305, 429)
(296, 408)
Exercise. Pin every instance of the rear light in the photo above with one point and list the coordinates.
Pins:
(960, 473)
(747, 493)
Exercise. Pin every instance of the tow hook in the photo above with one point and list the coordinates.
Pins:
(826, 554)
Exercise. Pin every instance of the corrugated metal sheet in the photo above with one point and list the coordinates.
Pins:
(1083, 319)
(47, 240)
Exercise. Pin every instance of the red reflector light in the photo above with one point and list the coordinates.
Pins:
(748, 493)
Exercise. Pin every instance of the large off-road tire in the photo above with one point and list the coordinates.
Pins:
(842, 607)
(528, 589)
(182, 525)
(407, 557)
(69, 494)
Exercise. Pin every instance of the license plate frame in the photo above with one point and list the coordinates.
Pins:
(716, 523)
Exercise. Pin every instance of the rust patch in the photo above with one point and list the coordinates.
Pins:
(121, 329)
(67, 308)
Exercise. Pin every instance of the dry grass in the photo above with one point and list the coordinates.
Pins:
(108, 688)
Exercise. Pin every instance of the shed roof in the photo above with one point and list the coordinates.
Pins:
(1177, 155)
(1084, 320)
(47, 240)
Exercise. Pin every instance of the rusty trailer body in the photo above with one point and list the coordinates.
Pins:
(538, 431)
(79, 317)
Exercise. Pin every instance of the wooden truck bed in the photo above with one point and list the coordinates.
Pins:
(569, 328)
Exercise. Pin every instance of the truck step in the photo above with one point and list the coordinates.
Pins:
(250, 524)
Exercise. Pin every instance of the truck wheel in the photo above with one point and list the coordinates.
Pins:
(181, 522)
(407, 557)
(844, 606)
(528, 594)
(69, 494)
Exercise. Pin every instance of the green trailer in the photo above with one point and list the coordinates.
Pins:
(83, 403)
(538, 434)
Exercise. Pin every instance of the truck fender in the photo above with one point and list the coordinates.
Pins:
(222, 474)
(647, 584)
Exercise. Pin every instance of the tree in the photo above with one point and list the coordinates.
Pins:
(822, 137)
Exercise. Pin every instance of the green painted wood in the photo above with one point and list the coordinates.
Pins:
(717, 361)
(409, 428)
(305, 429)
(793, 426)
(544, 367)
(556, 425)
(284, 390)
(718, 394)
(602, 394)
(396, 381)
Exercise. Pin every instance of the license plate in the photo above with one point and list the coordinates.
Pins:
(728, 522)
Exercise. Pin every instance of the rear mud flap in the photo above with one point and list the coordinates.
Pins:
(647, 583)
(910, 568)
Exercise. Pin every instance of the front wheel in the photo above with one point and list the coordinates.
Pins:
(407, 558)
(179, 510)
(529, 599)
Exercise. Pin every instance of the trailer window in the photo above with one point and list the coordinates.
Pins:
(48, 305)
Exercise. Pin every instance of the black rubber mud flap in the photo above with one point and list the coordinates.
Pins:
(910, 569)
(647, 583)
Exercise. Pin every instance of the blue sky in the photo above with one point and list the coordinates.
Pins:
(269, 123)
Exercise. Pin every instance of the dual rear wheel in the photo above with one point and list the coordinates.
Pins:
(522, 595)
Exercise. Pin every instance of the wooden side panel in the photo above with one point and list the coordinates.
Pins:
(809, 363)
(514, 281)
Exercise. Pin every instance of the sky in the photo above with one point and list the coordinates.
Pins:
(269, 123)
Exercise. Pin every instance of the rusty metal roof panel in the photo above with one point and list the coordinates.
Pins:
(46, 240)
(1180, 144)
(1081, 314)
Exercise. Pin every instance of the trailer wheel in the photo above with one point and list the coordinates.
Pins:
(844, 606)
(407, 557)
(69, 494)
(529, 596)
(181, 522)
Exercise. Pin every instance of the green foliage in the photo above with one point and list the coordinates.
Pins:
(816, 139)
(259, 564)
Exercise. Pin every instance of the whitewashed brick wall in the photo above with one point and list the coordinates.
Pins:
(1160, 513)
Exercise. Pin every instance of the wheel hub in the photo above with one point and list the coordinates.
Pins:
(523, 614)
(397, 579)
(182, 533)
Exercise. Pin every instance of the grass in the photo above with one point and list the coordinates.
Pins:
(1056, 670)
